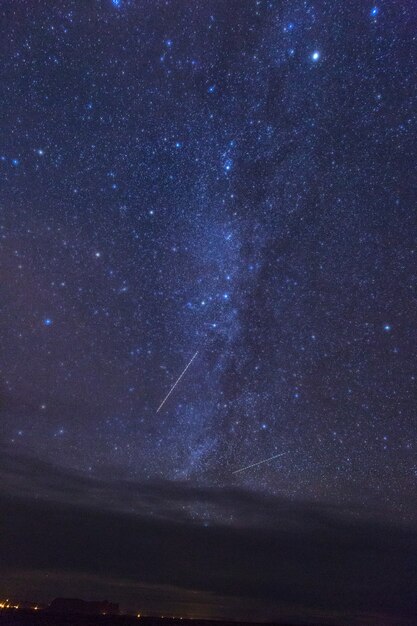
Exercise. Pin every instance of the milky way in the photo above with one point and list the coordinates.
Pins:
(235, 179)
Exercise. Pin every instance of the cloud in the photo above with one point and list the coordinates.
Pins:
(263, 557)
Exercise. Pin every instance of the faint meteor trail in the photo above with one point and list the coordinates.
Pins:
(175, 384)
(242, 469)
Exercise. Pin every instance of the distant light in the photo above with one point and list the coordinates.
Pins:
(315, 56)
(387, 327)
(178, 144)
(374, 11)
(47, 321)
(169, 42)
(97, 255)
(116, 3)
(211, 89)
(15, 162)
(40, 152)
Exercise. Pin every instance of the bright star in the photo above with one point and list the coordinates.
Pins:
(387, 327)
(47, 321)
(315, 56)
(374, 11)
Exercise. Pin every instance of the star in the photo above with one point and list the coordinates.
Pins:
(228, 164)
(289, 27)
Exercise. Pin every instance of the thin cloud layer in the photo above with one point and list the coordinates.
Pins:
(270, 556)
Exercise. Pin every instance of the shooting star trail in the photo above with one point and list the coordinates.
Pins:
(259, 463)
(175, 384)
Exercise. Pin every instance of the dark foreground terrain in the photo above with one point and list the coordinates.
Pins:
(44, 618)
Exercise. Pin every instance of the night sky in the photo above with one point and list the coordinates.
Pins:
(234, 181)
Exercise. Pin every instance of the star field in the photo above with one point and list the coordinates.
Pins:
(232, 178)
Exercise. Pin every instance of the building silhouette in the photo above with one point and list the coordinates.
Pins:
(83, 607)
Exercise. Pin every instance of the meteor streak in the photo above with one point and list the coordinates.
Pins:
(259, 463)
(175, 384)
